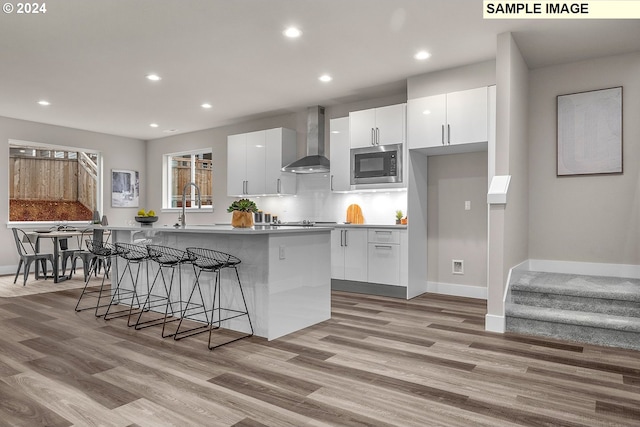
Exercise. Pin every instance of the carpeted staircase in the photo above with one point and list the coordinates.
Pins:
(590, 309)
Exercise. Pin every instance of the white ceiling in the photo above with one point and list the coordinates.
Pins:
(90, 58)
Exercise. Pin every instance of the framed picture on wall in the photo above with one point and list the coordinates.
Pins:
(589, 140)
(125, 188)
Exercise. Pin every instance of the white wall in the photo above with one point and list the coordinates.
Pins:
(508, 225)
(584, 218)
(118, 153)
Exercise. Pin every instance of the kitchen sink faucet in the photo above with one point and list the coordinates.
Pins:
(183, 218)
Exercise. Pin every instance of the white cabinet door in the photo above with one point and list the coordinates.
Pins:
(256, 163)
(340, 156)
(337, 253)
(362, 128)
(384, 263)
(390, 124)
(280, 151)
(236, 156)
(355, 254)
(377, 126)
(467, 116)
(426, 119)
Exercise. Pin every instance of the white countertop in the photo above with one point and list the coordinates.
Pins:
(394, 226)
(221, 229)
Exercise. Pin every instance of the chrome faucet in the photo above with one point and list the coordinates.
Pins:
(183, 218)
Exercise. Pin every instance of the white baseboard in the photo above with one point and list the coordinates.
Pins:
(493, 323)
(631, 271)
(469, 291)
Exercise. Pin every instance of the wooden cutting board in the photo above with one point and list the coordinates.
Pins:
(354, 214)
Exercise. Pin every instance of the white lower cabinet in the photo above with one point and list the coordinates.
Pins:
(349, 254)
(369, 254)
(384, 256)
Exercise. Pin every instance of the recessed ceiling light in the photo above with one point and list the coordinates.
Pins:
(426, 112)
(335, 131)
(422, 55)
(154, 125)
(206, 105)
(292, 32)
(153, 77)
(325, 78)
(44, 103)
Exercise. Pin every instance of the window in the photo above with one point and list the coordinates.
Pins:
(182, 169)
(53, 183)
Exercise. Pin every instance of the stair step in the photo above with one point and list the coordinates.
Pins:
(611, 288)
(572, 317)
(590, 309)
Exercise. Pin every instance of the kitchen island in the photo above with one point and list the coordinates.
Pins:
(285, 271)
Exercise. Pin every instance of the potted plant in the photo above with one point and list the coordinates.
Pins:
(398, 216)
(242, 211)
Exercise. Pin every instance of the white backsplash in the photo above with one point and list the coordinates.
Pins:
(314, 201)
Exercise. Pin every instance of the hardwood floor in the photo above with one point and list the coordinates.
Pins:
(377, 362)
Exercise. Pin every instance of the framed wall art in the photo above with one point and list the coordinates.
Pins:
(125, 188)
(589, 139)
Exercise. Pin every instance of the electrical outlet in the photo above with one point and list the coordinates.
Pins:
(457, 266)
(282, 252)
(467, 205)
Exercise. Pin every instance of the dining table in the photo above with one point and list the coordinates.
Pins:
(57, 234)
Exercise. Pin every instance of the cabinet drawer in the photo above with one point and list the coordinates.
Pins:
(384, 264)
(382, 235)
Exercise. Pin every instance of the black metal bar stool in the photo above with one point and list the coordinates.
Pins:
(103, 253)
(167, 258)
(212, 261)
(133, 254)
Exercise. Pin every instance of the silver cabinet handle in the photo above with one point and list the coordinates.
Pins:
(331, 183)
(279, 186)
(383, 231)
(442, 134)
(373, 136)
(449, 134)
(383, 247)
(246, 187)
(341, 237)
(345, 238)
(377, 136)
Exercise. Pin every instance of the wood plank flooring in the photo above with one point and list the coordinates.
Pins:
(377, 362)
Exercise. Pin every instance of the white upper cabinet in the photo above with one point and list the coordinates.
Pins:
(281, 150)
(339, 154)
(378, 126)
(449, 119)
(256, 163)
(255, 160)
(236, 164)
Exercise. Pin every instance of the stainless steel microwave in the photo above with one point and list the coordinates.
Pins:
(376, 165)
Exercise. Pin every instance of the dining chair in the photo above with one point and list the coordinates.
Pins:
(25, 244)
(86, 256)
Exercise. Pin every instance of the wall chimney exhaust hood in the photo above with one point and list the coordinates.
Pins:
(315, 160)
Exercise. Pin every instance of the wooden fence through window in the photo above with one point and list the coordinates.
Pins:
(51, 179)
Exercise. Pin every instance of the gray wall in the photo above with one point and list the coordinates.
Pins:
(584, 218)
(118, 153)
(216, 138)
(453, 232)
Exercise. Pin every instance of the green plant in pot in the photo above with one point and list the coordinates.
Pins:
(242, 211)
(398, 216)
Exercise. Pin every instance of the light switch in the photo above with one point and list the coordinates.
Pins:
(282, 252)
(467, 205)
